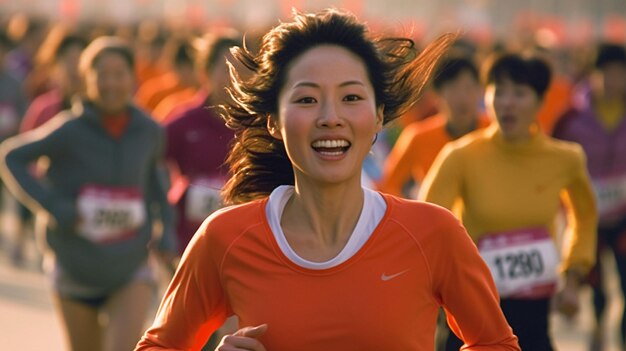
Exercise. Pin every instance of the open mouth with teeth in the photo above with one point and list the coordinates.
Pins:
(331, 147)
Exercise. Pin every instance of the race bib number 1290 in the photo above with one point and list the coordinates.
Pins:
(523, 263)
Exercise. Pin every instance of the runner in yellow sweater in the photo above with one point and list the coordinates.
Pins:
(509, 182)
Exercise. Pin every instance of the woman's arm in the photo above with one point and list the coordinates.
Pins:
(17, 154)
(581, 234)
(579, 247)
(194, 305)
(463, 284)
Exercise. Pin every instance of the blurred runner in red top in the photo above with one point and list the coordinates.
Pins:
(198, 143)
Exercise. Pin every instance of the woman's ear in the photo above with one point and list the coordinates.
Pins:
(272, 127)
(380, 117)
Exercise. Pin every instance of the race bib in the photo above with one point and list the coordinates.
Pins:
(203, 198)
(523, 263)
(610, 196)
(108, 214)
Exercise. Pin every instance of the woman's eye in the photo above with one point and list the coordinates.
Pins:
(352, 97)
(306, 100)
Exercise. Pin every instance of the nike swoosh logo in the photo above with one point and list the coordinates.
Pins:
(384, 277)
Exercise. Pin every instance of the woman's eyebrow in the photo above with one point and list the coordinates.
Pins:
(315, 85)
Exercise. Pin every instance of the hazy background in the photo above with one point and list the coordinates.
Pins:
(558, 21)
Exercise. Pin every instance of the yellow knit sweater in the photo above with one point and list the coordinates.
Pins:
(496, 186)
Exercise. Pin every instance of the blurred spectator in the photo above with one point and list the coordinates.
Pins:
(13, 103)
(40, 80)
(458, 91)
(197, 141)
(597, 121)
(180, 76)
(559, 95)
(149, 47)
(12, 106)
(27, 33)
(60, 57)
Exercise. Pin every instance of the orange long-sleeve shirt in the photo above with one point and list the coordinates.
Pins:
(505, 186)
(385, 297)
(414, 152)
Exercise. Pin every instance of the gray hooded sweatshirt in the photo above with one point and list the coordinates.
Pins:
(81, 152)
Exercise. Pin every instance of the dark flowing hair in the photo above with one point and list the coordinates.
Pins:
(258, 163)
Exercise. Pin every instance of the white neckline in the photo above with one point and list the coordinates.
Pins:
(374, 207)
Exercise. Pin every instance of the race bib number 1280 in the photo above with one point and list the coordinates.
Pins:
(523, 263)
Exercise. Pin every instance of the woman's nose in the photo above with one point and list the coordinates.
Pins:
(329, 115)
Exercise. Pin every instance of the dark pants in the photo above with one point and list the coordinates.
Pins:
(612, 238)
(529, 320)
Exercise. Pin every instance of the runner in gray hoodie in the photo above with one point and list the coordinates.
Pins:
(103, 190)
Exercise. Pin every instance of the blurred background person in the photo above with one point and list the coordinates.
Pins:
(509, 181)
(197, 144)
(198, 140)
(558, 97)
(458, 91)
(149, 46)
(180, 74)
(58, 62)
(104, 188)
(60, 57)
(13, 103)
(597, 121)
(27, 32)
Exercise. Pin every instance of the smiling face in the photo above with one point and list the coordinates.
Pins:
(327, 115)
(514, 106)
(110, 82)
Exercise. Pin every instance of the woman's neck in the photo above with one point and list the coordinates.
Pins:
(318, 220)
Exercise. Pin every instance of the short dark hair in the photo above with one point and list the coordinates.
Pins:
(102, 45)
(68, 42)
(451, 66)
(527, 70)
(609, 53)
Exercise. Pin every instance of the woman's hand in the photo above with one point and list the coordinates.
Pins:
(243, 339)
(567, 300)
